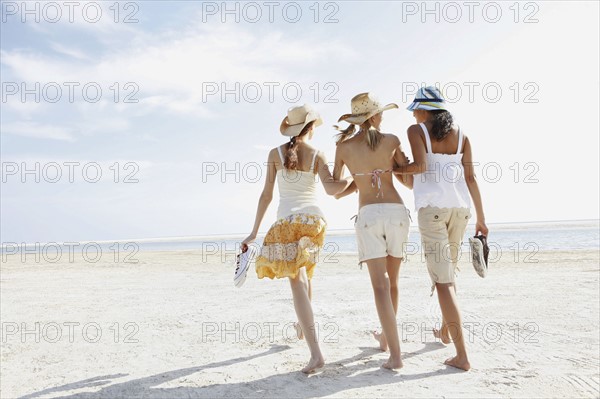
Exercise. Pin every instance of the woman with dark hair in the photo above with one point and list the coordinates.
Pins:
(291, 246)
(382, 222)
(443, 190)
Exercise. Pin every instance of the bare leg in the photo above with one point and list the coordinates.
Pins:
(385, 310)
(393, 271)
(452, 318)
(297, 326)
(306, 319)
(442, 334)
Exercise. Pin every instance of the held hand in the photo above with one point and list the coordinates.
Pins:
(480, 227)
(248, 240)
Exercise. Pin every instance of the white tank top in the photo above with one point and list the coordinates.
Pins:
(297, 190)
(443, 185)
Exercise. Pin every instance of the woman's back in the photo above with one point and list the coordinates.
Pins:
(297, 187)
(443, 184)
(447, 145)
(362, 161)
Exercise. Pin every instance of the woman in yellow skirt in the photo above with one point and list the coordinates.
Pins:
(291, 246)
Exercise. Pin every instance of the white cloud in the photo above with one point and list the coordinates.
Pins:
(69, 51)
(23, 109)
(38, 130)
(179, 66)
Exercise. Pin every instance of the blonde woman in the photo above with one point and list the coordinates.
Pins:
(443, 187)
(291, 245)
(382, 223)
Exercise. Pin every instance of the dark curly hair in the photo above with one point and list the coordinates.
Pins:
(441, 124)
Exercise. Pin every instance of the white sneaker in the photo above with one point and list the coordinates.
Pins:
(242, 265)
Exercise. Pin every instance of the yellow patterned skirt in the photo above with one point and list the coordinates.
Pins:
(291, 243)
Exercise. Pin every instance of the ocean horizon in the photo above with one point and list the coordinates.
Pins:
(516, 236)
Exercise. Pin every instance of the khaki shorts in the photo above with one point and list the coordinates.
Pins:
(381, 230)
(442, 231)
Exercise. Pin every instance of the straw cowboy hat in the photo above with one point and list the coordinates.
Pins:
(364, 106)
(429, 99)
(297, 118)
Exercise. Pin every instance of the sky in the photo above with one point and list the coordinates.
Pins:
(150, 119)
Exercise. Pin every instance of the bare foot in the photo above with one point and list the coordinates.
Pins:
(458, 362)
(393, 364)
(313, 365)
(299, 332)
(380, 337)
(442, 337)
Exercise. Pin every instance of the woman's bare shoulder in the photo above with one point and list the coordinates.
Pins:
(391, 137)
(346, 143)
(274, 154)
(416, 128)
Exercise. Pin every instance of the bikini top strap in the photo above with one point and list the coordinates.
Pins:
(427, 139)
(312, 165)
(460, 141)
(280, 156)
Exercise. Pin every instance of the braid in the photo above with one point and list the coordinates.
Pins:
(291, 156)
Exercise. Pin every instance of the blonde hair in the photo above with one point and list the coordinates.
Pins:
(373, 135)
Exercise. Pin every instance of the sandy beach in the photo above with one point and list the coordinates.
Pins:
(174, 326)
